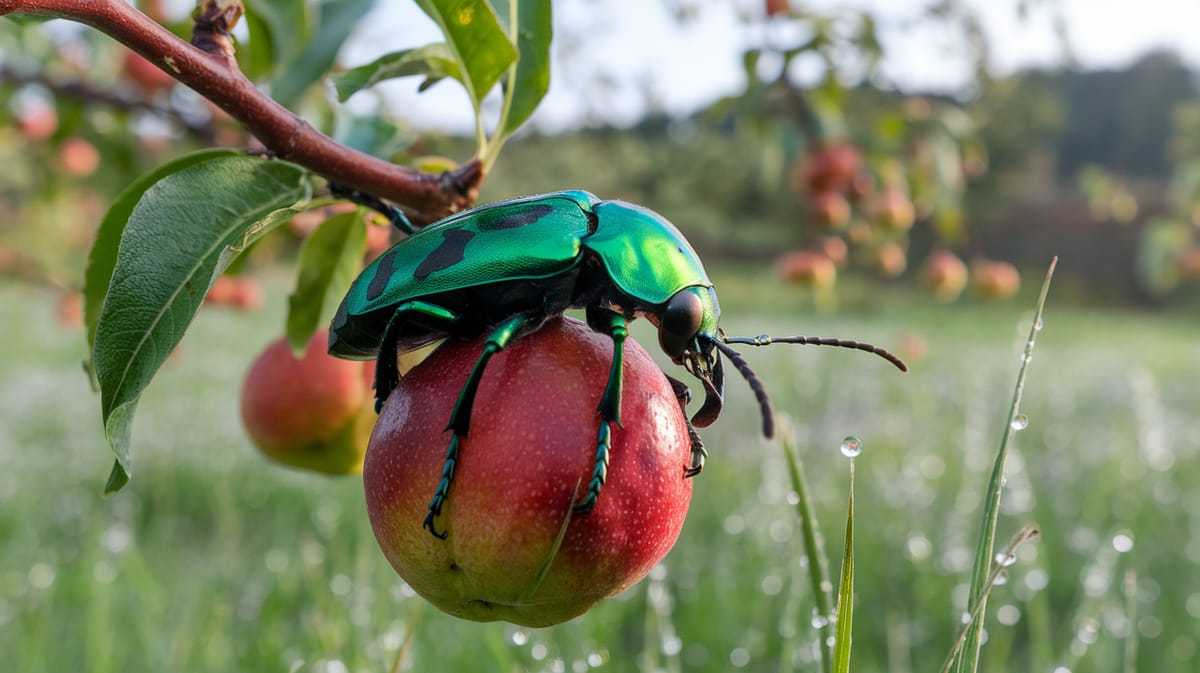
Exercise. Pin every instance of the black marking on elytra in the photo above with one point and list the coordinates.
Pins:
(514, 219)
(383, 275)
(446, 255)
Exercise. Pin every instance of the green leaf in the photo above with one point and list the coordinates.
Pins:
(531, 78)
(103, 255)
(477, 41)
(278, 31)
(968, 658)
(845, 603)
(434, 61)
(814, 546)
(180, 236)
(335, 20)
(329, 261)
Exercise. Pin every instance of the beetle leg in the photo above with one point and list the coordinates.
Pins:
(609, 411)
(396, 216)
(684, 395)
(460, 418)
(387, 373)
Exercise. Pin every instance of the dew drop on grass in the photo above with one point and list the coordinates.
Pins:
(1038, 325)
(1005, 560)
(819, 621)
(851, 447)
(1019, 422)
(1122, 542)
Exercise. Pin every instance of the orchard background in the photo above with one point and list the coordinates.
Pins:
(825, 197)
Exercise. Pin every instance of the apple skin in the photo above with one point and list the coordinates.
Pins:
(526, 462)
(314, 412)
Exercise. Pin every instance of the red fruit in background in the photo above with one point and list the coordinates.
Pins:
(776, 7)
(828, 168)
(239, 292)
(808, 268)
(526, 462)
(37, 122)
(247, 294)
(222, 291)
(145, 74)
(893, 211)
(891, 259)
(70, 309)
(994, 280)
(314, 412)
(379, 239)
(830, 210)
(945, 274)
(78, 157)
(835, 248)
(1187, 264)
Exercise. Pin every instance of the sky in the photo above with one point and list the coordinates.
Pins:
(609, 53)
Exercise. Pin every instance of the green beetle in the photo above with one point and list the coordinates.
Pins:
(504, 268)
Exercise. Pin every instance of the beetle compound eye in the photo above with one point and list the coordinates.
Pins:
(679, 322)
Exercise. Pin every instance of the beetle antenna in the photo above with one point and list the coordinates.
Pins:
(760, 391)
(765, 340)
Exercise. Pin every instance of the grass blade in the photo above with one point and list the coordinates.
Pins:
(969, 659)
(1026, 534)
(845, 604)
(814, 548)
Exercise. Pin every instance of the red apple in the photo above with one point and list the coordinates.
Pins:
(78, 157)
(891, 259)
(830, 210)
(994, 280)
(945, 274)
(1187, 264)
(148, 77)
(828, 168)
(893, 211)
(525, 464)
(805, 267)
(314, 412)
(37, 122)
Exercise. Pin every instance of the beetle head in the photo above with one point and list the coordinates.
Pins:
(688, 333)
(687, 330)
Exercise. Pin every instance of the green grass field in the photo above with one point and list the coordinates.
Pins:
(213, 560)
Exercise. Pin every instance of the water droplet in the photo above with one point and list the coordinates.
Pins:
(965, 617)
(1001, 579)
(1122, 542)
(1019, 422)
(819, 621)
(41, 575)
(1037, 326)
(851, 447)
(519, 637)
(1005, 560)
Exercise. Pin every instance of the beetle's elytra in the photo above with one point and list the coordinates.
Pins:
(503, 269)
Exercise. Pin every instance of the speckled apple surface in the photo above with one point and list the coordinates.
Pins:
(527, 459)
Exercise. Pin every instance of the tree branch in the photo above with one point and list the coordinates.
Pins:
(82, 91)
(215, 76)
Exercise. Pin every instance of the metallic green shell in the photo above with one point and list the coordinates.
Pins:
(533, 237)
(645, 255)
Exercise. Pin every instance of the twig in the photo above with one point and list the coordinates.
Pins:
(213, 75)
(86, 93)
